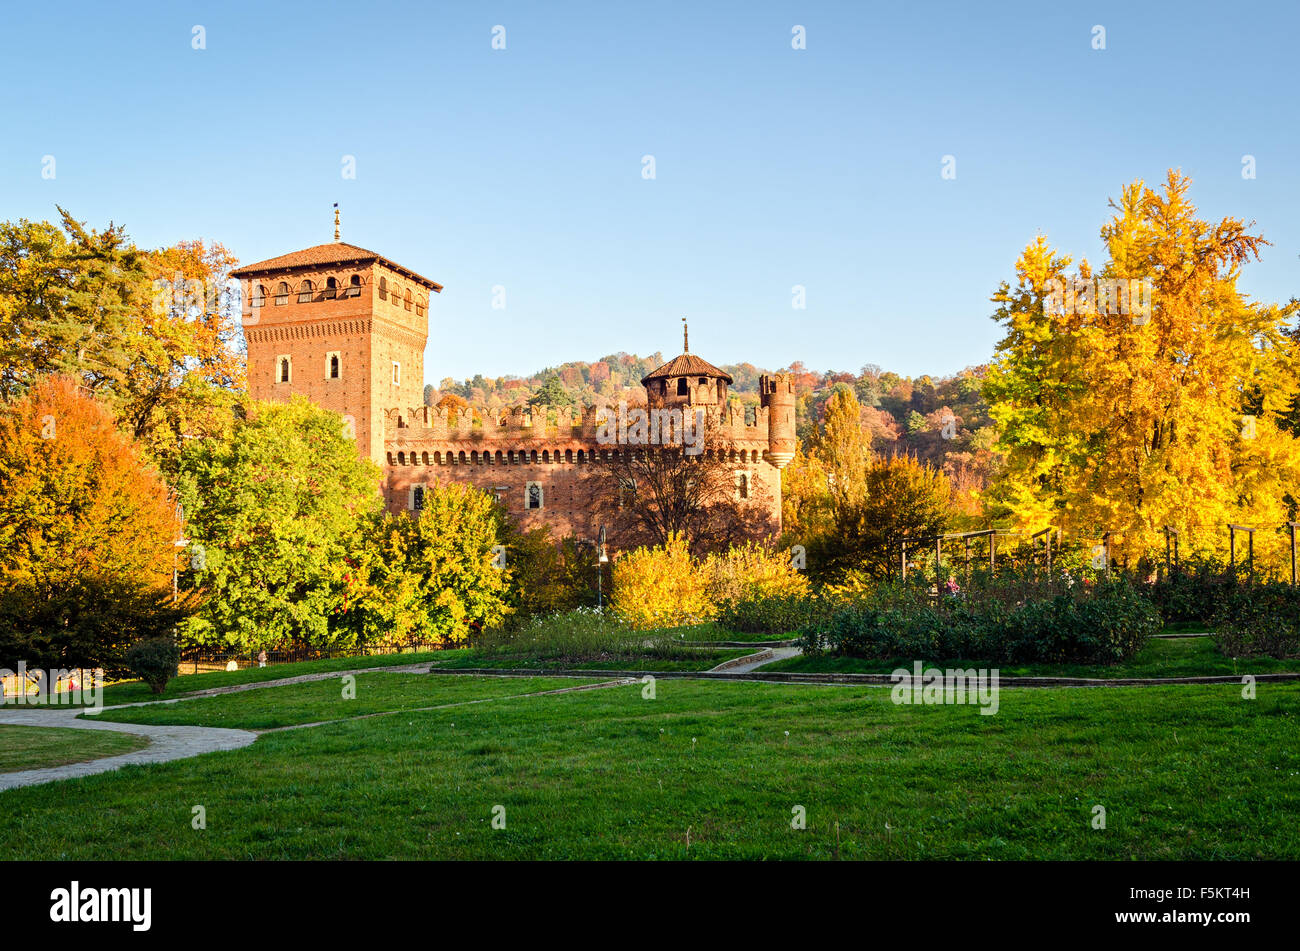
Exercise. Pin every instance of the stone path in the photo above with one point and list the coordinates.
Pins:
(743, 665)
(165, 743)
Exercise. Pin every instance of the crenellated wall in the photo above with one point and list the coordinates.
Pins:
(507, 453)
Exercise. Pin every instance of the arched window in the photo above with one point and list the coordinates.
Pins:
(285, 370)
(408, 299)
(534, 495)
(354, 286)
(305, 291)
(383, 288)
(259, 295)
(401, 458)
(331, 288)
(282, 293)
(417, 498)
(334, 366)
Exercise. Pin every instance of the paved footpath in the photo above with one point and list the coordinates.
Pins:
(743, 665)
(165, 743)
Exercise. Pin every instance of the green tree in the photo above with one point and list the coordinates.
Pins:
(153, 333)
(273, 514)
(551, 393)
(442, 576)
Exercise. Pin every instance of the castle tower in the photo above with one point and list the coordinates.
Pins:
(686, 380)
(341, 325)
(776, 392)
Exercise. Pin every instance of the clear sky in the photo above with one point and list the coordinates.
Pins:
(774, 167)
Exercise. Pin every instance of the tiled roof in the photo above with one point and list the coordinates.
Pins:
(686, 364)
(337, 252)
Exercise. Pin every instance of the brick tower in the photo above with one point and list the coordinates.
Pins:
(341, 325)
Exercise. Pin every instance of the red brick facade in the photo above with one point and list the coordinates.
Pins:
(361, 316)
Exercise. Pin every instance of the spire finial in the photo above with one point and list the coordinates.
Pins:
(337, 230)
(686, 338)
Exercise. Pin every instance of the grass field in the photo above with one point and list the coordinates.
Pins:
(1161, 657)
(460, 659)
(133, 691)
(321, 700)
(1183, 772)
(36, 747)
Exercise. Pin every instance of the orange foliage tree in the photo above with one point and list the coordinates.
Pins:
(87, 534)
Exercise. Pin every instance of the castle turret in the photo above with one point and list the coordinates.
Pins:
(777, 393)
(687, 380)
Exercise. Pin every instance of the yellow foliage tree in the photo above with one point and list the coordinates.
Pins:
(1147, 395)
(661, 586)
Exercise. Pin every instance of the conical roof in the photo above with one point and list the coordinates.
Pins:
(686, 364)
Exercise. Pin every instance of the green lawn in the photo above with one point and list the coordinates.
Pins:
(320, 700)
(1191, 772)
(35, 747)
(462, 659)
(134, 691)
(1161, 657)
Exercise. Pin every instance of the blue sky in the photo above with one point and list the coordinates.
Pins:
(774, 167)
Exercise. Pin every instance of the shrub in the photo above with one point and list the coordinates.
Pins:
(1259, 620)
(547, 577)
(1196, 592)
(752, 571)
(757, 590)
(155, 660)
(585, 634)
(1104, 624)
(660, 587)
(773, 614)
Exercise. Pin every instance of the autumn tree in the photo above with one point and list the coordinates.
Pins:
(1118, 416)
(86, 533)
(902, 500)
(154, 334)
(828, 476)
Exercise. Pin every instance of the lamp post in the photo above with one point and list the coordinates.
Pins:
(1293, 526)
(601, 560)
(181, 542)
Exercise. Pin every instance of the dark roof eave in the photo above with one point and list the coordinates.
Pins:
(255, 270)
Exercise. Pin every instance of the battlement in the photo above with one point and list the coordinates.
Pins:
(523, 423)
(777, 384)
